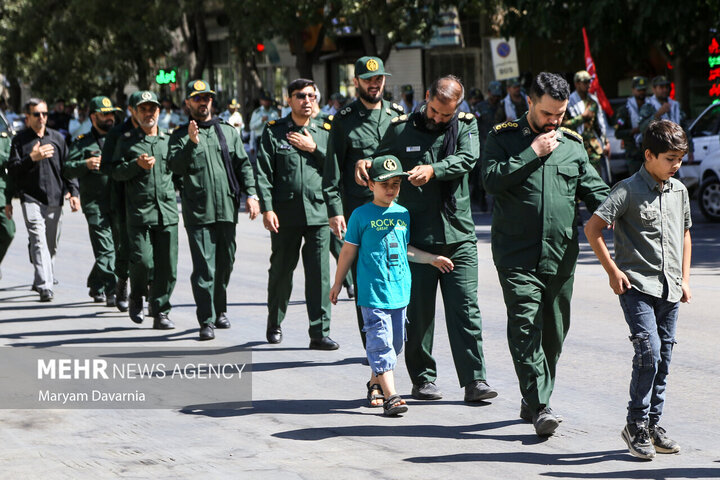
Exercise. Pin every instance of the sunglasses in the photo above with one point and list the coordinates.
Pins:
(201, 98)
(39, 114)
(303, 96)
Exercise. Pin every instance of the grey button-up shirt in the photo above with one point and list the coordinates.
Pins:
(650, 224)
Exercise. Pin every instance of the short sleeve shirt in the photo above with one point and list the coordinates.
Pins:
(383, 274)
(650, 224)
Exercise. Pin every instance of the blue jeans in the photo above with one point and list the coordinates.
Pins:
(652, 323)
(385, 334)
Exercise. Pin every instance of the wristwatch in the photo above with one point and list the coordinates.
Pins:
(254, 197)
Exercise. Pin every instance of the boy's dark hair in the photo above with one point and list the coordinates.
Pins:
(448, 89)
(299, 84)
(33, 102)
(551, 84)
(664, 136)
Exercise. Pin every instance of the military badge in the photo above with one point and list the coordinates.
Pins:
(199, 85)
(372, 65)
(389, 164)
(106, 102)
(146, 96)
(526, 131)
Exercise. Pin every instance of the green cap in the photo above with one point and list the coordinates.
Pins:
(660, 80)
(143, 96)
(102, 104)
(197, 87)
(366, 67)
(640, 83)
(385, 167)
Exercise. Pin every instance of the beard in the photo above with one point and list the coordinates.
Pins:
(148, 123)
(106, 125)
(431, 124)
(200, 113)
(544, 128)
(368, 97)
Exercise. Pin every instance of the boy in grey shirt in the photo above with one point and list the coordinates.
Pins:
(651, 273)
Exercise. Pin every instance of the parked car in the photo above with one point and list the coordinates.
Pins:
(703, 174)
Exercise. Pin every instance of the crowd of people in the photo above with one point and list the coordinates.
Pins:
(386, 187)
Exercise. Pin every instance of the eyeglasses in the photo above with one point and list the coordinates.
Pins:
(38, 114)
(303, 96)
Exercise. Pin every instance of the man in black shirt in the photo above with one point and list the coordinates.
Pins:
(37, 156)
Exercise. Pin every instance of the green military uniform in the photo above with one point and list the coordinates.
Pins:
(534, 243)
(355, 134)
(289, 183)
(95, 198)
(592, 137)
(152, 217)
(441, 223)
(7, 225)
(210, 208)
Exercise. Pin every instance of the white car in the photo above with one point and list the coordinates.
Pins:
(705, 170)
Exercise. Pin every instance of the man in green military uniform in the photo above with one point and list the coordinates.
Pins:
(438, 147)
(356, 133)
(535, 171)
(152, 215)
(585, 116)
(85, 164)
(118, 216)
(289, 183)
(7, 224)
(209, 156)
(627, 125)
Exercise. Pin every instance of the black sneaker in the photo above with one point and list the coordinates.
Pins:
(527, 415)
(637, 438)
(660, 440)
(545, 422)
(426, 391)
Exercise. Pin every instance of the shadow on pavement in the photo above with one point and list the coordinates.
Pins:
(176, 335)
(584, 458)
(279, 407)
(660, 473)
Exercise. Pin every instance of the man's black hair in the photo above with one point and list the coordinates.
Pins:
(552, 84)
(299, 84)
(664, 136)
(33, 102)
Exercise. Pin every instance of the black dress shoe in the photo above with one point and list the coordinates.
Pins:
(162, 322)
(324, 343)
(222, 321)
(274, 335)
(136, 310)
(98, 297)
(207, 332)
(46, 295)
(111, 300)
(121, 296)
(350, 291)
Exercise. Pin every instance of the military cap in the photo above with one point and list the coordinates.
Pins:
(233, 103)
(196, 87)
(514, 82)
(407, 89)
(582, 76)
(640, 83)
(143, 96)
(474, 93)
(265, 95)
(385, 167)
(102, 104)
(366, 67)
(660, 80)
(495, 88)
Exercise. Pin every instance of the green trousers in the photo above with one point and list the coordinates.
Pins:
(7, 233)
(153, 264)
(102, 276)
(335, 247)
(212, 248)
(462, 315)
(120, 231)
(350, 203)
(316, 262)
(538, 310)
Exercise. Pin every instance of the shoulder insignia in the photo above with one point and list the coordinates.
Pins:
(272, 122)
(505, 127)
(401, 118)
(398, 108)
(572, 134)
(345, 110)
(128, 133)
(3, 134)
(466, 116)
(79, 137)
(326, 126)
(330, 117)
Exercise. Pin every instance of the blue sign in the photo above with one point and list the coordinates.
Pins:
(503, 49)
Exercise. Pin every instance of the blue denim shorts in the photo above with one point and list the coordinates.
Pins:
(385, 334)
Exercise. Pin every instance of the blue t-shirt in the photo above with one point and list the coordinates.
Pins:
(383, 274)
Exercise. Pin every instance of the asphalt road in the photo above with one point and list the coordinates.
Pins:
(308, 417)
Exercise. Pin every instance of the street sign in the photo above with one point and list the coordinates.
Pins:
(504, 57)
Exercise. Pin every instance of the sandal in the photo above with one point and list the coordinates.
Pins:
(394, 405)
(372, 397)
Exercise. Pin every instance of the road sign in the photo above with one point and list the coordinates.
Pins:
(504, 57)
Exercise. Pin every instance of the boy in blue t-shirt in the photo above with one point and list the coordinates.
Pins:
(650, 273)
(378, 234)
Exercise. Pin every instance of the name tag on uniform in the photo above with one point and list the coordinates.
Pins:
(412, 149)
(284, 146)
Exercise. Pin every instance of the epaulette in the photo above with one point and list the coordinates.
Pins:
(326, 126)
(397, 107)
(330, 117)
(505, 127)
(128, 133)
(401, 118)
(272, 122)
(3, 134)
(346, 110)
(79, 137)
(572, 134)
(465, 116)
